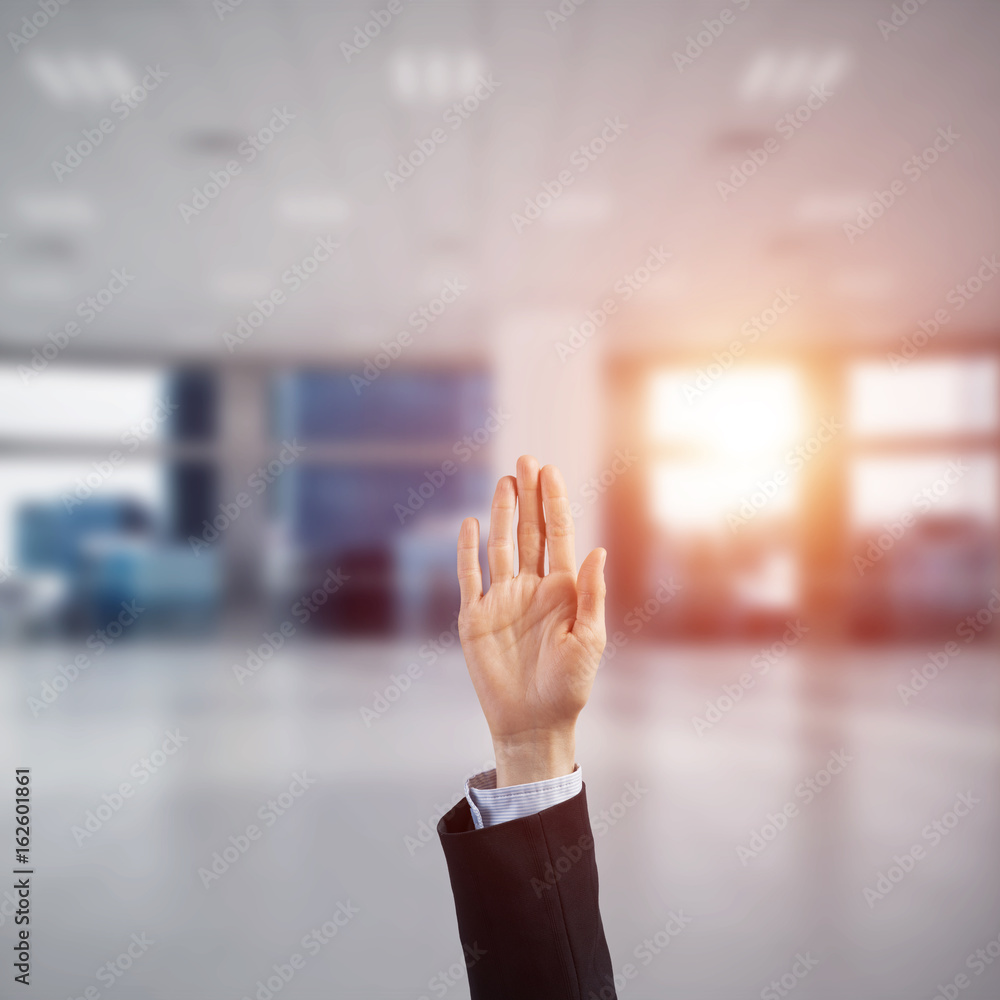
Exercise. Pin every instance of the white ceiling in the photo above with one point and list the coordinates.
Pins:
(655, 185)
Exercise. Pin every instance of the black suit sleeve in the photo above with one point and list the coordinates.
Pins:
(526, 899)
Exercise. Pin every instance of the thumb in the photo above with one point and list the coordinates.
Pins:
(590, 591)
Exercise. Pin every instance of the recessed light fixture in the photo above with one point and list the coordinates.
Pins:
(829, 208)
(77, 78)
(33, 284)
(55, 209)
(578, 208)
(237, 286)
(298, 208)
(867, 284)
(433, 76)
(788, 76)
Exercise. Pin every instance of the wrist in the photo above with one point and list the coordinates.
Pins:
(534, 755)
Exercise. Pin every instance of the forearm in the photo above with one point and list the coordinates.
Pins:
(526, 899)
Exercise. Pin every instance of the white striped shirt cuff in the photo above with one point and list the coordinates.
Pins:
(491, 805)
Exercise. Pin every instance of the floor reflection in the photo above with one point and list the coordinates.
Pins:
(763, 829)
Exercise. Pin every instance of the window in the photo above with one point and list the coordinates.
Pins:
(721, 441)
(79, 405)
(932, 397)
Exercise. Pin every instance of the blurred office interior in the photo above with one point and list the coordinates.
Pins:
(265, 340)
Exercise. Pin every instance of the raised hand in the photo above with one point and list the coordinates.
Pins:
(533, 642)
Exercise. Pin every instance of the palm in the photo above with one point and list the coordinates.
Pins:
(533, 641)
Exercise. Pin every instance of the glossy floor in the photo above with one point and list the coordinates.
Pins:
(763, 824)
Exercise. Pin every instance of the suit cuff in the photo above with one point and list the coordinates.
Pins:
(490, 805)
